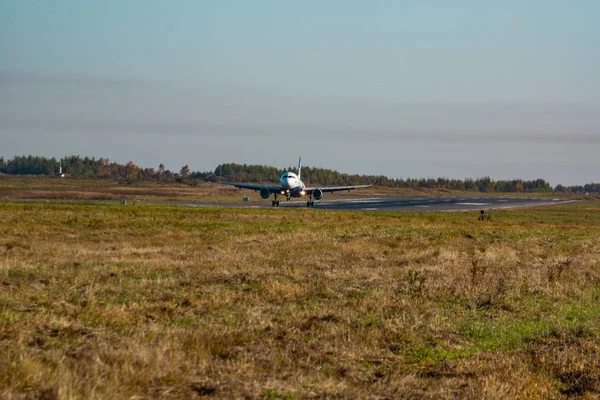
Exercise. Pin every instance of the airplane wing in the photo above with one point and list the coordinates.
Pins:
(335, 188)
(272, 189)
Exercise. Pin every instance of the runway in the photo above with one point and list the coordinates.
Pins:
(402, 203)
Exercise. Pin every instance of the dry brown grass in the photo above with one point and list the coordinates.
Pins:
(145, 301)
(32, 187)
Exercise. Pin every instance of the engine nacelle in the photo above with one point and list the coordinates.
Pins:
(317, 194)
(265, 193)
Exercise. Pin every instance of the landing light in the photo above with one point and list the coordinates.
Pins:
(303, 193)
(282, 192)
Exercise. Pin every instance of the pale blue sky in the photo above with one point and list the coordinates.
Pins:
(401, 88)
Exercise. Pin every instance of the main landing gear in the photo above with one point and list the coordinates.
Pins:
(275, 202)
(310, 202)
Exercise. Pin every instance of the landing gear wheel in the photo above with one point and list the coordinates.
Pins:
(308, 204)
(273, 203)
(312, 204)
(277, 203)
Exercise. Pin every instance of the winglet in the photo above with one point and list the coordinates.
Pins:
(299, 167)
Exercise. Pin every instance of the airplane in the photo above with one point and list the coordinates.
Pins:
(290, 186)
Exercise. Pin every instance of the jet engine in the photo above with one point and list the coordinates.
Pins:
(317, 194)
(265, 193)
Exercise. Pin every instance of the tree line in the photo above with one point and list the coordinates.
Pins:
(587, 188)
(103, 168)
(86, 167)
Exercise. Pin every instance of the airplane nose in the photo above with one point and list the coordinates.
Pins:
(288, 183)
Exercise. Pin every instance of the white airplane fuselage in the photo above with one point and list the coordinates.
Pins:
(291, 185)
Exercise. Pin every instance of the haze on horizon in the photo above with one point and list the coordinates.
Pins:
(399, 88)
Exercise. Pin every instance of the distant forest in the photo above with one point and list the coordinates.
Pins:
(102, 168)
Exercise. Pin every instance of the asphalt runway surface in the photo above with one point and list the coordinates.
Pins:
(402, 203)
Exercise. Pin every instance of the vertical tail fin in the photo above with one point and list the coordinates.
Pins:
(299, 167)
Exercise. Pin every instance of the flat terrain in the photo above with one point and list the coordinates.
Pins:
(101, 300)
(32, 187)
(50, 188)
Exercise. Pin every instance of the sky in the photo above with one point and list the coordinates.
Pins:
(427, 88)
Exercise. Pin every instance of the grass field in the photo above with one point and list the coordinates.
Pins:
(100, 300)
